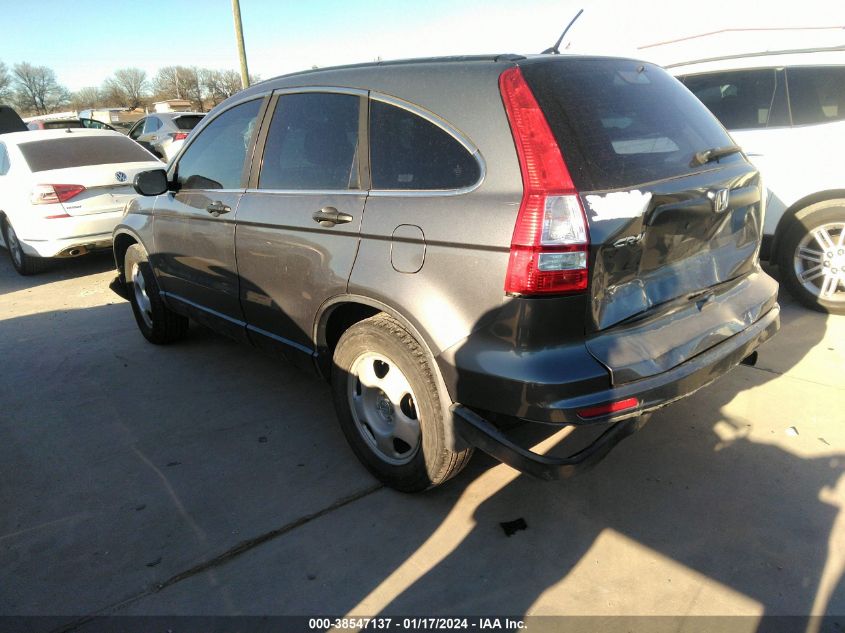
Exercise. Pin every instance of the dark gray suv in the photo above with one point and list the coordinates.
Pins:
(459, 242)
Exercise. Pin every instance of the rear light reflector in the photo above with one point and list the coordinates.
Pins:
(52, 194)
(610, 407)
(179, 136)
(550, 240)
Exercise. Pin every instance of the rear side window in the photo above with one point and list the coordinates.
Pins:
(410, 152)
(621, 122)
(312, 143)
(151, 125)
(187, 122)
(743, 99)
(215, 159)
(817, 94)
(81, 151)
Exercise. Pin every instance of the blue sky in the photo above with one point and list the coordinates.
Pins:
(84, 41)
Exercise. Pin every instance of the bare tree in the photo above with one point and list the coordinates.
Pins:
(218, 85)
(5, 83)
(128, 87)
(84, 98)
(178, 82)
(37, 90)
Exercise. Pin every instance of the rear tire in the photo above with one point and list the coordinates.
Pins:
(158, 323)
(389, 409)
(23, 263)
(811, 257)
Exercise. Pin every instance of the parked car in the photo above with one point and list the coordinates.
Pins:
(63, 124)
(453, 242)
(62, 191)
(164, 133)
(55, 124)
(787, 111)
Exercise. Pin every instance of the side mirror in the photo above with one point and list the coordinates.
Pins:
(151, 183)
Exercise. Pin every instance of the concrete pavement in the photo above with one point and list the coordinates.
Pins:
(206, 478)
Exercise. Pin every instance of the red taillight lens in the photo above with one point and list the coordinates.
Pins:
(611, 407)
(179, 136)
(550, 240)
(52, 194)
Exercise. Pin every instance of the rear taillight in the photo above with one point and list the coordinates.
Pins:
(52, 194)
(179, 136)
(550, 240)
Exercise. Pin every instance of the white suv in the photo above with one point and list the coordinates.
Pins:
(787, 112)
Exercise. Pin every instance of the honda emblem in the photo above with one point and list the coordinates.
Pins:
(719, 198)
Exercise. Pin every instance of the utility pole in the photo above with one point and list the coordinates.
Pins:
(239, 35)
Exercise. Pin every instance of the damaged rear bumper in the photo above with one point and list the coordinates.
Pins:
(652, 393)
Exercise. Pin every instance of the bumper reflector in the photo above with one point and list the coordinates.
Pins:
(610, 407)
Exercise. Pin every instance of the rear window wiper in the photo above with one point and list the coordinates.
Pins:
(714, 153)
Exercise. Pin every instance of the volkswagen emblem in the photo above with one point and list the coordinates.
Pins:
(121, 177)
(719, 198)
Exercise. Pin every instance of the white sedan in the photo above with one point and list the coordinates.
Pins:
(63, 191)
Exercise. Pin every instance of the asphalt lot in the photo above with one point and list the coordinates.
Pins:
(206, 478)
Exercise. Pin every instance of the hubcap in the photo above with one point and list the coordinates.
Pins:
(14, 246)
(819, 262)
(384, 408)
(141, 297)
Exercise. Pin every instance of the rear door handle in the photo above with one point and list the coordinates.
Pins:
(218, 208)
(329, 216)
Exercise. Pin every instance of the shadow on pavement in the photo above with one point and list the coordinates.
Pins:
(60, 269)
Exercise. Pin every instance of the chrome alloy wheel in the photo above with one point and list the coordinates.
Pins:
(141, 297)
(384, 408)
(14, 246)
(819, 261)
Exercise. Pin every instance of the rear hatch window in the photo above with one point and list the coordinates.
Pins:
(80, 151)
(621, 122)
(187, 122)
(60, 125)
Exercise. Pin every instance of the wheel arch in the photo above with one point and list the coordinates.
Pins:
(341, 312)
(123, 239)
(797, 211)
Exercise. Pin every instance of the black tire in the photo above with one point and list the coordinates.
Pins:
(433, 462)
(158, 323)
(828, 212)
(23, 263)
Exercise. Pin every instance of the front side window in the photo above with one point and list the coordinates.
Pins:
(215, 159)
(410, 152)
(137, 130)
(743, 99)
(312, 143)
(817, 94)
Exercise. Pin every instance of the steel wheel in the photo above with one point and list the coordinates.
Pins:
(14, 245)
(384, 408)
(819, 262)
(141, 298)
